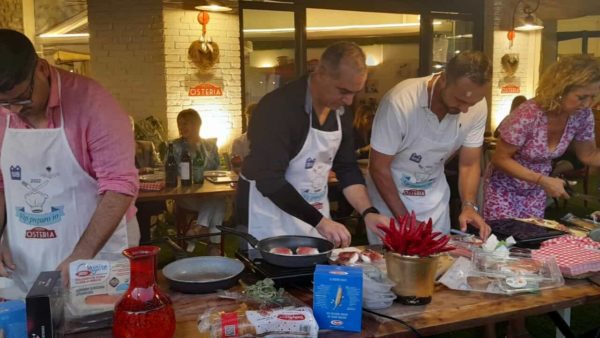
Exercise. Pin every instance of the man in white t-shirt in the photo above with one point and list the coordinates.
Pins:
(418, 126)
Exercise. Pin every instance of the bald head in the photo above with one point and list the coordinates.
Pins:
(342, 56)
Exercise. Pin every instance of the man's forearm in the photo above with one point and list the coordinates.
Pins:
(358, 197)
(468, 181)
(387, 189)
(104, 221)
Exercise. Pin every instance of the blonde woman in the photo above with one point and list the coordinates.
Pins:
(538, 131)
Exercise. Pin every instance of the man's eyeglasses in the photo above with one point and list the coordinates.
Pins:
(24, 98)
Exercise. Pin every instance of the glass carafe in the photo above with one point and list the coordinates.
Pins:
(144, 311)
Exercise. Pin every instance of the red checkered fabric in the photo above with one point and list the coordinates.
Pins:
(582, 242)
(152, 186)
(574, 256)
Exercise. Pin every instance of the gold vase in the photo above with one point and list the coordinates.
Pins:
(413, 276)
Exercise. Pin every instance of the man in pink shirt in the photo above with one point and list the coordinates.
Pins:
(67, 166)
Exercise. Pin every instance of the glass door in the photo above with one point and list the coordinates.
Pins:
(268, 51)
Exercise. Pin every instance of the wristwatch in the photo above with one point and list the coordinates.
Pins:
(369, 210)
(470, 204)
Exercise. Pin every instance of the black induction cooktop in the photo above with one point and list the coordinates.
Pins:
(279, 274)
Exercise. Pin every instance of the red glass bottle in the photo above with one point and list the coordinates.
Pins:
(144, 311)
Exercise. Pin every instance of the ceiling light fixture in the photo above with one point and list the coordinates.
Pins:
(213, 6)
(528, 21)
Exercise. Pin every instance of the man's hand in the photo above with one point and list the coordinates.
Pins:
(334, 232)
(372, 219)
(468, 215)
(64, 267)
(6, 261)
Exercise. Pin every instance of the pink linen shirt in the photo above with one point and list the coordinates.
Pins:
(98, 131)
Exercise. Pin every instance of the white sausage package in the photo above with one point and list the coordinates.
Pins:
(96, 285)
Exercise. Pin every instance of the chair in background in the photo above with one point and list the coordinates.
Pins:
(184, 218)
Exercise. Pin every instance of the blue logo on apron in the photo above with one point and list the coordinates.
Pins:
(15, 172)
(416, 158)
(310, 162)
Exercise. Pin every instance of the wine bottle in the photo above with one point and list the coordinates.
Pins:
(198, 168)
(185, 167)
(170, 168)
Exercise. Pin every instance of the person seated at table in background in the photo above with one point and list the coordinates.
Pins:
(517, 100)
(419, 125)
(517, 180)
(299, 132)
(363, 123)
(211, 211)
(240, 147)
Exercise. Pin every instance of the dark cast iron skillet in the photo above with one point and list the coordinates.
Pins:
(292, 242)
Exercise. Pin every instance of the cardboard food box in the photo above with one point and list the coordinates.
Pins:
(337, 297)
(44, 305)
(12, 319)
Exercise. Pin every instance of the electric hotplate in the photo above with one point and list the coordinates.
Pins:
(279, 274)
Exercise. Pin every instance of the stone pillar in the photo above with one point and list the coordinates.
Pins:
(127, 53)
(11, 15)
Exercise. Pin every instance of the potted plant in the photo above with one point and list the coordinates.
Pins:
(411, 259)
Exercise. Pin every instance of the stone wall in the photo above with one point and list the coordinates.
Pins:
(11, 15)
(127, 53)
(221, 115)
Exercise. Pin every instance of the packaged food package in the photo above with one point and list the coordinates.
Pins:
(377, 289)
(507, 274)
(95, 286)
(576, 257)
(44, 305)
(240, 321)
(337, 297)
(13, 321)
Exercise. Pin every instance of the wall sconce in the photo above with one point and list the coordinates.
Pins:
(528, 21)
(213, 6)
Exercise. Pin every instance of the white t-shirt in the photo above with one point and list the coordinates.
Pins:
(404, 127)
(403, 104)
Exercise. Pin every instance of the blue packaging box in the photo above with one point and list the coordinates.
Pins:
(12, 319)
(337, 297)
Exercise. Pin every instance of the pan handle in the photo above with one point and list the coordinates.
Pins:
(245, 235)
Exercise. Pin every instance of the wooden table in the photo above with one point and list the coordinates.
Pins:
(449, 310)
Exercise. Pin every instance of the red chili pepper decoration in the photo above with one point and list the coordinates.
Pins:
(407, 236)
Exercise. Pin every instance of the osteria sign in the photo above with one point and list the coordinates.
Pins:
(206, 89)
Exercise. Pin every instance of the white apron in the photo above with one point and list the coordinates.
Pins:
(307, 172)
(50, 200)
(418, 172)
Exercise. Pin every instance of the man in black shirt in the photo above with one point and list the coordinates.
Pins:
(298, 133)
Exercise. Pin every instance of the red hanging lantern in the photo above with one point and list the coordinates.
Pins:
(511, 35)
(203, 19)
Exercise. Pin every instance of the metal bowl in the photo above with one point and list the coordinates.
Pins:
(203, 274)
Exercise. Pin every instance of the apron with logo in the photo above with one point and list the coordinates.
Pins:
(50, 200)
(307, 173)
(418, 172)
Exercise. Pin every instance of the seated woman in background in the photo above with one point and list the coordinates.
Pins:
(211, 211)
(539, 130)
(516, 102)
(363, 123)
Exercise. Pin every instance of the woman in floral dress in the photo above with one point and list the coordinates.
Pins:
(538, 131)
